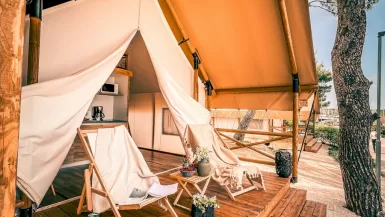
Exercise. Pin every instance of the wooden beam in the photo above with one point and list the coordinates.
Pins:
(303, 88)
(12, 17)
(125, 72)
(255, 132)
(251, 148)
(257, 161)
(289, 41)
(188, 42)
(295, 129)
(33, 50)
(261, 142)
(196, 84)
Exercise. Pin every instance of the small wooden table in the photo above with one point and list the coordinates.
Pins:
(193, 180)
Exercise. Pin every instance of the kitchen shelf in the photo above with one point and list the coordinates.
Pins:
(110, 94)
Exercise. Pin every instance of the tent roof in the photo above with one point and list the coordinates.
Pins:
(243, 48)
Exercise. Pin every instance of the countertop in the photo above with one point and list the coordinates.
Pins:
(107, 121)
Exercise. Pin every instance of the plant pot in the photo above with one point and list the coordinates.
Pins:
(196, 212)
(283, 163)
(204, 167)
(187, 173)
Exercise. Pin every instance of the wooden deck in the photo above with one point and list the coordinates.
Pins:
(278, 199)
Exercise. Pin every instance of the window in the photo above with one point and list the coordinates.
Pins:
(168, 127)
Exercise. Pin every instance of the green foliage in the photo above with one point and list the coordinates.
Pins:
(333, 152)
(327, 133)
(324, 77)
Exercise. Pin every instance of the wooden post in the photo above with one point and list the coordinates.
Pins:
(11, 55)
(294, 69)
(34, 41)
(314, 120)
(209, 91)
(295, 127)
(239, 116)
(33, 73)
(196, 84)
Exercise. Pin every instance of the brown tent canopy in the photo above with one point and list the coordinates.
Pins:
(245, 50)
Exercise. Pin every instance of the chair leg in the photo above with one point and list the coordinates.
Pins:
(81, 201)
(169, 207)
(53, 190)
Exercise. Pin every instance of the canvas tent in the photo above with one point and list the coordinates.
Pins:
(245, 52)
(76, 57)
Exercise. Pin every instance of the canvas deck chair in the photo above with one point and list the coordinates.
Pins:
(88, 190)
(221, 156)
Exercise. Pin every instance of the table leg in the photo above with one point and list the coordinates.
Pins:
(179, 194)
(184, 187)
(206, 185)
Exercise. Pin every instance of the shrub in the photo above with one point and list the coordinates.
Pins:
(327, 133)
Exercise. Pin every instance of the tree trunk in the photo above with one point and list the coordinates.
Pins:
(362, 192)
(244, 124)
(12, 13)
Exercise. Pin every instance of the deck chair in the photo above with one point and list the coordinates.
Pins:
(88, 190)
(226, 164)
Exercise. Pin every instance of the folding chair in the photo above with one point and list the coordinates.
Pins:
(88, 190)
(231, 194)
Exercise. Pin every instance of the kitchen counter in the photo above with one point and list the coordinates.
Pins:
(89, 122)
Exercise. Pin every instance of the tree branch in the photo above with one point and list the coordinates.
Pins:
(326, 9)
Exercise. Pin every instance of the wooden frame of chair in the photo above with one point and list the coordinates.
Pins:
(253, 186)
(88, 190)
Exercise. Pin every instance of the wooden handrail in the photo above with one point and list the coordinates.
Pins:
(254, 132)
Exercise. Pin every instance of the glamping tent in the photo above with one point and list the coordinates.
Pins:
(77, 57)
(78, 54)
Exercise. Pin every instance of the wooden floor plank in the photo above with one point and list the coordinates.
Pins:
(294, 208)
(281, 206)
(319, 210)
(69, 182)
(308, 209)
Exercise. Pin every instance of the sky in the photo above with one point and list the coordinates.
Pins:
(324, 26)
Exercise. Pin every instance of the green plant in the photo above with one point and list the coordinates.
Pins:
(333, 152)
(203, 202)
(201, 153)
(327, 133)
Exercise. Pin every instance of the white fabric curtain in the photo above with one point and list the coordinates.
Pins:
(81, 43)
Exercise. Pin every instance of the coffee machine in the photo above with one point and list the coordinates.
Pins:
(97, 112)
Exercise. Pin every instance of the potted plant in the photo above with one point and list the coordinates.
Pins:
(204, 206)
(203, 165)
(188, 169)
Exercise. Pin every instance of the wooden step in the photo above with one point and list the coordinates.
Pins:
(291, 204)
(310, 145)
(313, 209)
(308, 139)
(316, 147)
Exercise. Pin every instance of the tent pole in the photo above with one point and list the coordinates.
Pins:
(295, 127)
(11, 56)
(294, 68)
(184, 34)
(196, 84)
(34, 41)
(33, 72)
(378, 142)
